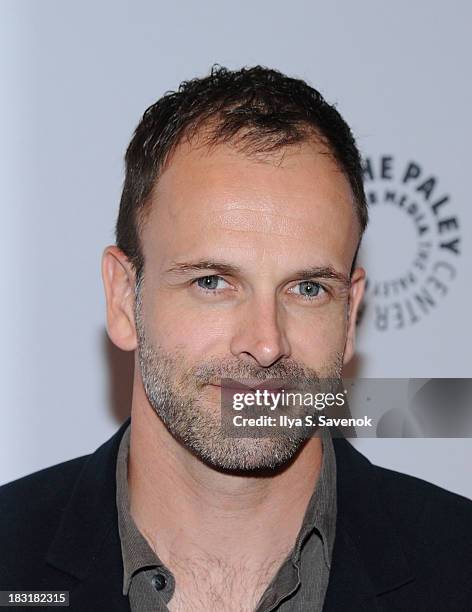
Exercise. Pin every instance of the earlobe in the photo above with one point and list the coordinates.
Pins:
(118, 281)
(355, 298)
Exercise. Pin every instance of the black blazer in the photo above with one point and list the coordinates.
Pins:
(401, 543)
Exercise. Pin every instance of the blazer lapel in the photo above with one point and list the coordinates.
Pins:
(349, 586)
(368, 555)
(101, 589)
(87, 545)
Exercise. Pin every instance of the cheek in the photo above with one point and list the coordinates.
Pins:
(196, 331)
(320, 336)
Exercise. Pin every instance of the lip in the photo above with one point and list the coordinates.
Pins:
(240, 389)
(249, 388)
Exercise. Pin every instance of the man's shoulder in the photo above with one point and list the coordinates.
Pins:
(53, 521)
(40, 487)
(393, 482)
(411, 538)
(430, 514)
(423, 514)
(31, 506)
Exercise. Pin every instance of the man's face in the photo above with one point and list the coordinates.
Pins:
(246, 276)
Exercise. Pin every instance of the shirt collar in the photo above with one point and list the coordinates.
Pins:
(322, 507)
(136, 551)
(320, 514)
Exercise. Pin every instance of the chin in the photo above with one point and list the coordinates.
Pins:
(248, 455)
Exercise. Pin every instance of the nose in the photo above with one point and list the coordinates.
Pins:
(261, 333)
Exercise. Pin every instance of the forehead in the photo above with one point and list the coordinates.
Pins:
(221, 202)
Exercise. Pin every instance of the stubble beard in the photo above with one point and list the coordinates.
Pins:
(175, 391)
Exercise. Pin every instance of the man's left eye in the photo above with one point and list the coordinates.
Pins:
(308, 289)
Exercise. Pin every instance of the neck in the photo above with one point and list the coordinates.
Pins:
(185, 508)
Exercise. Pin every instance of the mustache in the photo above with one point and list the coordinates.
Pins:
(212, 372)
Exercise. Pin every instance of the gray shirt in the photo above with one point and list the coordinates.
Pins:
(300, 583)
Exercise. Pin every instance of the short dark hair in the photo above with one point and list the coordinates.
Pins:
(257, 108)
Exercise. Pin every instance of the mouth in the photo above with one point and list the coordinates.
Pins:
(251, 387)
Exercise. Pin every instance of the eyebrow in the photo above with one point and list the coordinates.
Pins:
(225, 268)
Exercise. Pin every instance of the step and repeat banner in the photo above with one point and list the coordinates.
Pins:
(76, 78)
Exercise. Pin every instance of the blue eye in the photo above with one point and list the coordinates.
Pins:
(209, 282)
(309, 289)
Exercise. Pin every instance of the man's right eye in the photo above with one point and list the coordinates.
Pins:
(210, 283)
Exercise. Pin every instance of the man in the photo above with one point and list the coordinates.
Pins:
(241, 216)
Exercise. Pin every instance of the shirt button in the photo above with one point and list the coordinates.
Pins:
(159, 582)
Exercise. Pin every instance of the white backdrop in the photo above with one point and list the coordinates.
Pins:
(76, 78)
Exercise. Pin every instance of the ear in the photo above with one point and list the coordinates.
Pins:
(356, 294)
(119, 282)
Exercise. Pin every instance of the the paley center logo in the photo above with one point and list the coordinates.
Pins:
(412, 246)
